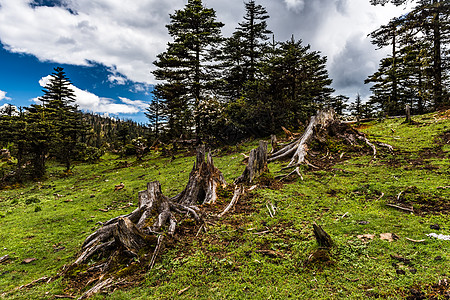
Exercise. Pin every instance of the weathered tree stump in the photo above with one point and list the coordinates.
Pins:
(203, 182)
(323, 239)
(257, 164)
(298, 149)
(324, 123)
(126, 237)
(273, 143)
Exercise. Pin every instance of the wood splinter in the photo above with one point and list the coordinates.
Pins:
(323, 239)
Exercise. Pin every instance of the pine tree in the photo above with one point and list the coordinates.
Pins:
(422, 39)
(188, 67)
(155, 115)
(254, 34)
(357, 108)
(61, 113)
(294, 83)
(244, 50)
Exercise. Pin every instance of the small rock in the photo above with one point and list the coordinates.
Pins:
(435, 226)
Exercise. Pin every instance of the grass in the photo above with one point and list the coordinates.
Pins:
(249, 254)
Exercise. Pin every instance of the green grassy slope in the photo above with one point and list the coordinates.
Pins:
(249, 254)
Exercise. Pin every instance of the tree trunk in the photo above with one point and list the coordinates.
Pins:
(203, 182)
(257, 164)
(408, 114)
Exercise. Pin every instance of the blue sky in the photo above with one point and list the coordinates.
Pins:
(107, 47)
(21, 74)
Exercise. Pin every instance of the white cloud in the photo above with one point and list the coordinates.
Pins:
(137, 103)
(126, 36)
(115, 79)
(5, 108)
(88, 101)
(111, 32)
(3, 96)
(296, 5)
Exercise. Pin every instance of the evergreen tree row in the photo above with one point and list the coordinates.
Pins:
(221, 89)
(55, 128)
(417, 71)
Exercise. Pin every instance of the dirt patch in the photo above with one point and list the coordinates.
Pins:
(362, 126)
(443, 139)
(438, 290)
(422, 203)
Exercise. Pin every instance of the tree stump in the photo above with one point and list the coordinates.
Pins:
(124, 237)
(324, 123)
(323, 239)
(298, 149)
(257, 164)
(203, 182)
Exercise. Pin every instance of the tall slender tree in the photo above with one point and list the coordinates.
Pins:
(189, 64)
(423, 36)
(245, 49)
(155, 115)
(60, 111)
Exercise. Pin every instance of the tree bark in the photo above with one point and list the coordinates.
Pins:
(324, 123)
(257, 164)
(298, 149)
(323, 239)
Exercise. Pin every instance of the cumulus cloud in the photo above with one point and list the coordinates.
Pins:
(126, 37)
(3, 96)
(110, 32)
(9, 109)
(90, 102)
(296, 5)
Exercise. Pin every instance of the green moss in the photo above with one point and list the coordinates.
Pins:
(231, 260)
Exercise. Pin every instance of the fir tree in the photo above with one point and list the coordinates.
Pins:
(61, 113)
(188, 66)
(155, 115)
(244, 50)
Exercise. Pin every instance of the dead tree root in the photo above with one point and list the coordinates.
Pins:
(141, 234)
(321, 126)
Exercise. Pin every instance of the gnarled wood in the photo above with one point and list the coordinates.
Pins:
(203, 182)
(238, 192)
(299, 148)
(124, 237)
(257, 164)
(324, 123)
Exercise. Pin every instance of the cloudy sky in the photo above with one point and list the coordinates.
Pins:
(107, 46)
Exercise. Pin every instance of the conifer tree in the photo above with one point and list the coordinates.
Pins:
(245, 49)
(61, 113)
(188, 66)
(420, 60)
(254, 34)
(155, 115)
